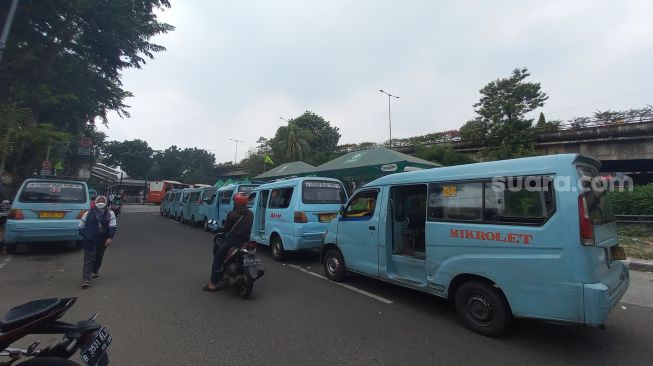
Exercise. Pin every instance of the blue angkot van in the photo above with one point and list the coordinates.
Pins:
(206, 197)
(529, 238)
(223, 202)
(46, 210)
(191, 204)
(293, 214)
(177, 204)
(165, 202)
(172, 196)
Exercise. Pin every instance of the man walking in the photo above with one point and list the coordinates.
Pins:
(97, 228)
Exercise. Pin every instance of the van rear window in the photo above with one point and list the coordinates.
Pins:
(53, 192)
(596, 195)
(315, 192)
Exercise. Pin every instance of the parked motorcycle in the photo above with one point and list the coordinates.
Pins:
(41, 317)
(240, 266)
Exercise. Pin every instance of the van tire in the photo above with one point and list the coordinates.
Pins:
(206, 224)
(482, 308)
(276, 247)
(11, 248)
(192, 221)
(334, 265)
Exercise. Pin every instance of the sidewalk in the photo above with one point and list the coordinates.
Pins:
(639, 265)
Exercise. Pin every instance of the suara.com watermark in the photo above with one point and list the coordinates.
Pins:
(562, 183)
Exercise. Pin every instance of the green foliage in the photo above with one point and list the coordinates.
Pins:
(63, 63)
(190, 165)
(134, 157)
(637, 202)
(442, 154)
(501, 124)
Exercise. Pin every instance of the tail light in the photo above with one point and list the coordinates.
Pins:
(586, 227)
(81, 214)
(15, 214)
(300, 217)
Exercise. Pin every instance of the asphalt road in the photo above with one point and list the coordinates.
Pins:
(149, 296)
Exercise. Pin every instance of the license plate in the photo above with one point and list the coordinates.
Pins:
(51, 214)
(326, 217)
(617, 253)
(94, 351)
(251, 262)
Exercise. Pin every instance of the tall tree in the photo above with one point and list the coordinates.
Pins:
(134, 157)
(309, 138)
(64, 59)
(501, 122)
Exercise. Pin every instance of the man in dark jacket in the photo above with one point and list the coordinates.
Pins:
(97, 228)
(238, 227)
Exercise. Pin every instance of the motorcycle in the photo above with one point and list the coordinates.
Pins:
(41, 317)
(240, 266)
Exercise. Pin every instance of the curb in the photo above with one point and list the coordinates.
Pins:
(639, 265)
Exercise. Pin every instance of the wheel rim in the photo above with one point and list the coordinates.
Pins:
(276, 249)
(206, 224)
(333, 264)
(479, 308)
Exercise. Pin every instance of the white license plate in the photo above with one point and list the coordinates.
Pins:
(251, 262)
(94, 351)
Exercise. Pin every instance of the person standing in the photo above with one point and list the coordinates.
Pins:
(97, 228)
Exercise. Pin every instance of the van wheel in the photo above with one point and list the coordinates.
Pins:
(206, 224)
(482, 308)
(11, 248)
(334, 265)
(277, 248)
(192, 221)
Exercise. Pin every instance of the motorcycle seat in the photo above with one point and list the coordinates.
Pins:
(23, 314)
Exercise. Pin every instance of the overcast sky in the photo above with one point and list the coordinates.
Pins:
(232, 68)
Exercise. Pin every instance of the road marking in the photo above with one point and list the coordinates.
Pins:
(5, 261)
(362, 292)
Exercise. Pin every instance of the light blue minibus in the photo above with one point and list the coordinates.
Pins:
(177, 204)
(46, 210)
(293, 214)
(172, 197)
(223, 203)
(165, 203)
(191, 204)
(531, 238)
(206, 200)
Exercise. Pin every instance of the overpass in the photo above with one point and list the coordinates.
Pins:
(620, 147)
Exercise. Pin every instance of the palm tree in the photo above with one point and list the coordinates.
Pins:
(294, 143)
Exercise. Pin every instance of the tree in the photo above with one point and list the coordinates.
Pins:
(64, 59)
(309, 138)
(442, 154)
(134, 157)
(501, 123)
(543, 126)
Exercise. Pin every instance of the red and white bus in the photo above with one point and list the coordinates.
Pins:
(157, 189)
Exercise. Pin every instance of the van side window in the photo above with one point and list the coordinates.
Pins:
(361, 206)
(280, 197)
(225, 196)
(526, 200)
(456, 201)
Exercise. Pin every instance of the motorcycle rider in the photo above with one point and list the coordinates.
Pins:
(238, 227)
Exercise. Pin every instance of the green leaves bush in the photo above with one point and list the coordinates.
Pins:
(637, 202)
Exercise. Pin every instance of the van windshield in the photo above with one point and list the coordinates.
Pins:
(598, 203)
(53, 192)
(323, 192)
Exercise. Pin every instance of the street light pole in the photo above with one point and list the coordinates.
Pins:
(389, 115)
(7, 27)
(236, 155)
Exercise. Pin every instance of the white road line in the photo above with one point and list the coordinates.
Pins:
(362, 292)
(5, 261)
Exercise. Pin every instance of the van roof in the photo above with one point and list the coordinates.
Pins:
(523, 166)
(57, 179)
(294, 182)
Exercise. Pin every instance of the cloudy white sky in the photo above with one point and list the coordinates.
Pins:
(232, 68)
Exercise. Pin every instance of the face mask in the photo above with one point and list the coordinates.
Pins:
(100, 205)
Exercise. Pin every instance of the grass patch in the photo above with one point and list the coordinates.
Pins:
(637, 241)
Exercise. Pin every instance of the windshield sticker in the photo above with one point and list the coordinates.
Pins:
(309, 184)
(514, 238)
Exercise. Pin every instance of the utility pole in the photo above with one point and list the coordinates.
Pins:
(236, 155)
(7, 27)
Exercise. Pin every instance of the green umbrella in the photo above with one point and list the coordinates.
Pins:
(218, 184)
